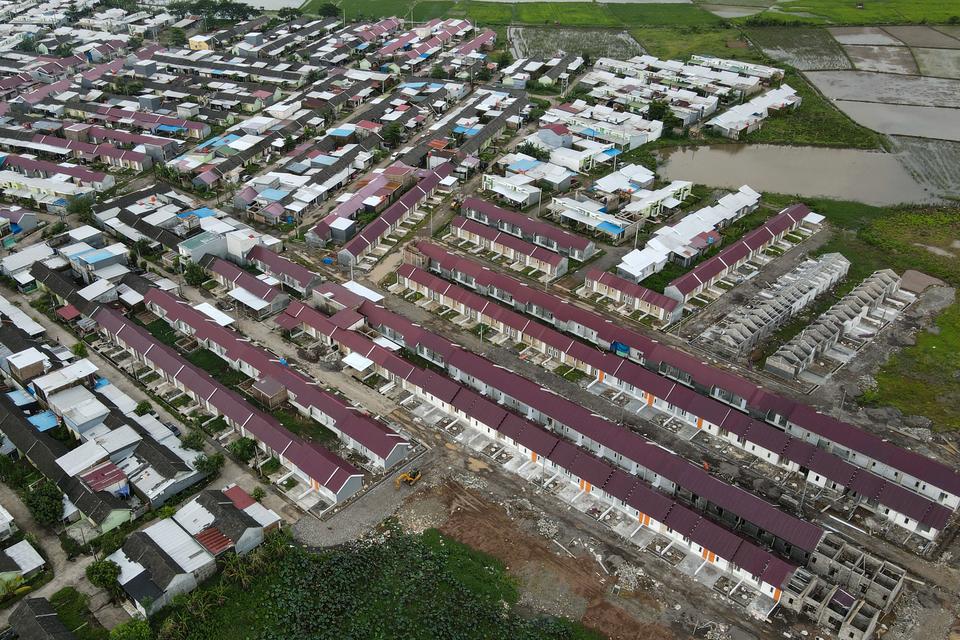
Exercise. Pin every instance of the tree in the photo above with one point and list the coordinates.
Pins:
(437, 72)
(194, 440)
(258, 494)
(79, 350)
(104, 574)
(82, 207)
(243, 448)
(195, 275)
(329, 9)
(143, 408)
(135, 629)
(392, 134)
(209, 465)
(178, 37)
(289, 13)
(658, 110)
(533, 151)
(45, 502)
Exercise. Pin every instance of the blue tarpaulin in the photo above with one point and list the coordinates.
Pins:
(21, 398)
(44, 421)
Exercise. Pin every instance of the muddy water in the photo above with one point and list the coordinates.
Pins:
(847, 174)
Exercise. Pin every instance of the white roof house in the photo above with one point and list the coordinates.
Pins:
(19, 318)
(26, 557)
(179, 545)
(24, 259)
(64, 376)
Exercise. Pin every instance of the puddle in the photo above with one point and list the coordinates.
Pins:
(865, 176)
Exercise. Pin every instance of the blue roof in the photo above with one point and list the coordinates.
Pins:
(21, 398)
(324, 160)
(169, 128)
(44, 421)
(587, 131)
(472, 131)
(609, 227)
(341, 132)
(202, 212)
(524, 165)
(412, 85)
(363, 46)
(611, 152)
(91, 257)
(100, 382)
(274, 194)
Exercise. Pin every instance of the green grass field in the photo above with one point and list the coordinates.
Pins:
(873, 11)
(924, 379)
(678, 43)
(574, 14)
(672, 15)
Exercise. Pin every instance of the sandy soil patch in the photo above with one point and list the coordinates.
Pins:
(942, 63)
(882, 59)
(921, 36)
(863, 35)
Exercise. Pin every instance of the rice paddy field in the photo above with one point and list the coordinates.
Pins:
(545, 42)
(806, 49)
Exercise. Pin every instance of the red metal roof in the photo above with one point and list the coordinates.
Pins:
(214, 541)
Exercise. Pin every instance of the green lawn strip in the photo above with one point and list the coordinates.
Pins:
(407, 586)
(924, 379)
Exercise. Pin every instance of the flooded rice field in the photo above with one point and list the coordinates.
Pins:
(866, 176)
(893, 89)
(905, 120)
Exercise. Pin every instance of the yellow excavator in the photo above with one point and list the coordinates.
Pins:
(409, 478)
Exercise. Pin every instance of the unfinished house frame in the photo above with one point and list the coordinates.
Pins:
(741, 329)
(862, 305)
(843, 589)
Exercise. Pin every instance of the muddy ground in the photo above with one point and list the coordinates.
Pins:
(563, 561)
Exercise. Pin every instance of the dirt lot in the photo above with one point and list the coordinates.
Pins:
(504, 516)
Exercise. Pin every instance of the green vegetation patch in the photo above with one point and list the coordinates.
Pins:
(490, 12)
(163, 332)
(815, 122)
(424, 11)
(868, 12)
(672, 15)
(73, 609)
(924, 379)
(580, 14)
(217, 367)
(679, 43)
(409, 586)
